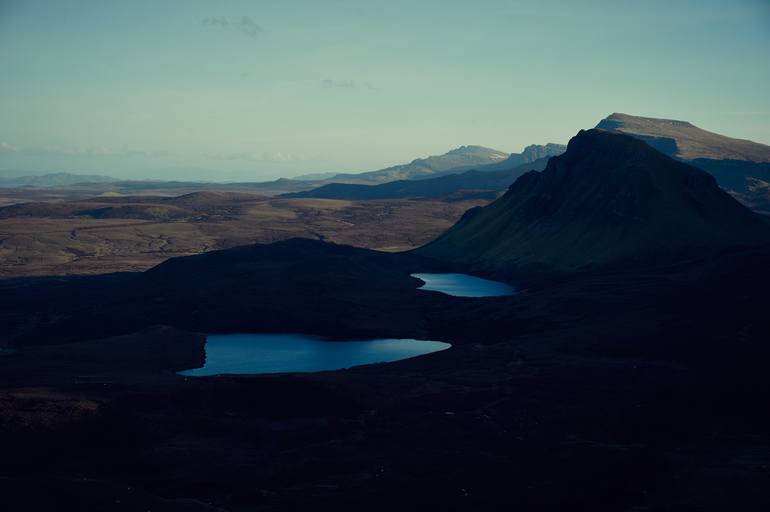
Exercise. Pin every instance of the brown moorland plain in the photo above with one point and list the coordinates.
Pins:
(114, 234)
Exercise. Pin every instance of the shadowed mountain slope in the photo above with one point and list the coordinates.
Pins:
(610, 197)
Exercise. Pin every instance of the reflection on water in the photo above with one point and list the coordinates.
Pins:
(463, 285)
(278, 353)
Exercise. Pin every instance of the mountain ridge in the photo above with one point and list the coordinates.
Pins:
(461, 157)
(684, 140)
(437, 187)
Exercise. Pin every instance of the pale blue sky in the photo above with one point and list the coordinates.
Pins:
(252, 90)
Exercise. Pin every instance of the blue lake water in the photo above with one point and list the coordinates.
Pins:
(278, 353)
(463, 285)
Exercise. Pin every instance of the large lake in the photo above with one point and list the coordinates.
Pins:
(463, 285)
(279, 353)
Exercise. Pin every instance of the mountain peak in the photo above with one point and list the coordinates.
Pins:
(628, 119)
(530, 154)
(476, 150)
(599, 140)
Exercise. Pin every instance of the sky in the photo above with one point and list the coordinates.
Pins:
(257, 89)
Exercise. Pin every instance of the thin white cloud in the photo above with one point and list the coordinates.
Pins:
(243, 25)
(215, 22)
(348, 84)
(248, 27)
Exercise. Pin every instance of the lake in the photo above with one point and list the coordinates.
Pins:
(464, 285)
(279, 353)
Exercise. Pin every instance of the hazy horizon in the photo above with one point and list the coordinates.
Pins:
(247, 91)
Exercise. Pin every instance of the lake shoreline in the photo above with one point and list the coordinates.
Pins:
(264, 354)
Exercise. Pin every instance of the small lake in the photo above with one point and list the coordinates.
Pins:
(279, 353)
(463, 285)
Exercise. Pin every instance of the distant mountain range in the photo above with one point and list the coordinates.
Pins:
(474, 183)
(455, 161)
(59, 179)
(741, 167)
(454, 182)
(459, 159)
(316, 176)
(610, 197)
(530, 154)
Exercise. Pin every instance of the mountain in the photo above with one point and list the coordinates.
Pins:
(449, 186)
(741, 167)
(610, 197)
(60, 179)
(439, 183)
(457, 161)
(462, 158)
(683, 140)
(530, 154)
(316, 176)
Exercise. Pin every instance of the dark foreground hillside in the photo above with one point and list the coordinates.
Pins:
(642, 389)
